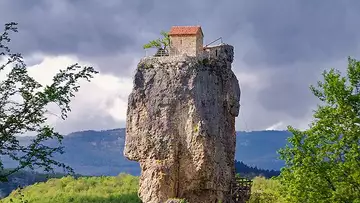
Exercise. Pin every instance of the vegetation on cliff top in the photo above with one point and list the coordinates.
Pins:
(160, 43)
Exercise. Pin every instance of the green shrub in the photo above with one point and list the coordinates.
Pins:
(266, 191)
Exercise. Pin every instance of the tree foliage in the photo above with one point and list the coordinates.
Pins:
(24, 178)
(121, 188)
(250, 172)
(160, 43)
(266, 191)
(323, 162)
(23, 103)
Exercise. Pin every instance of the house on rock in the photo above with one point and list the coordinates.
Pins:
(186, 40)
(189, 41)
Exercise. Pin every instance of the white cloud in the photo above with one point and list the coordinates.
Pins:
(301, 124)
(276, 126)
(101, 103)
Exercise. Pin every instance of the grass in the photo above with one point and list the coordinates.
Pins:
(115, 189)
(119, 189)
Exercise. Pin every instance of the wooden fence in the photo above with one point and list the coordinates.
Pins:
(240, 190)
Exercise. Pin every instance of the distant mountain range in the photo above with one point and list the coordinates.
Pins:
(101, 152)
(259, 148)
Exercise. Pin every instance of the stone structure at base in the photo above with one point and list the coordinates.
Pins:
(181, 126)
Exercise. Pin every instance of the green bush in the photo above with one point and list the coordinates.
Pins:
(266, 191)
(119, 189)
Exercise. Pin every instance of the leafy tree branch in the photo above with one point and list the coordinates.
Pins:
(323, 162)
(23, 103)
(161, 43)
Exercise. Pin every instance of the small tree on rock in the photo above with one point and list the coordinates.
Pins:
(162, 43)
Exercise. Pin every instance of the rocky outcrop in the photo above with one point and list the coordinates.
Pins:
(181, 127)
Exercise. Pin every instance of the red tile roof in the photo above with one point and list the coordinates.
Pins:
(185, 30)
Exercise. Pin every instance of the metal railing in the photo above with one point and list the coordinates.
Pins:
(161, 52)
(220, 38)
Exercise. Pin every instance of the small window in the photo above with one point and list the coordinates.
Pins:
(181, 41)
(215, 52)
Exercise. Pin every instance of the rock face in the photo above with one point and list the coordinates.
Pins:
(181, 127)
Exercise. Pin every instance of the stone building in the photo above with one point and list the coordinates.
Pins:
(186, 40)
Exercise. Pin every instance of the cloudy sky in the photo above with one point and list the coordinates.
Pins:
(281, 47)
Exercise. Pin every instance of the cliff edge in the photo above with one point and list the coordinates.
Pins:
(181, 126)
